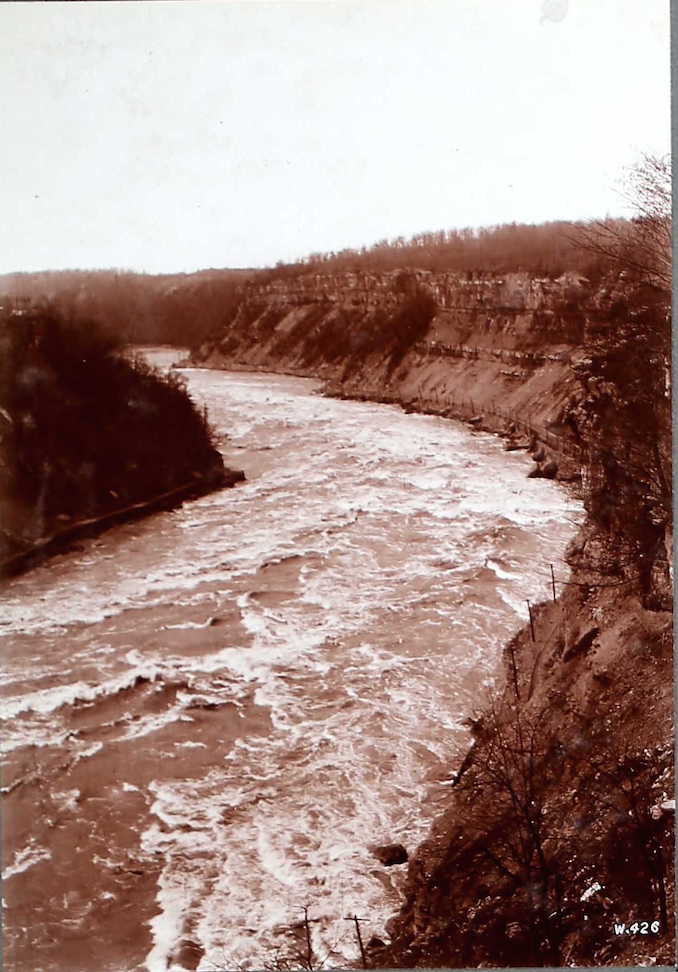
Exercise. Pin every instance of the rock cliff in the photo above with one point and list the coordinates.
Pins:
(556, 848)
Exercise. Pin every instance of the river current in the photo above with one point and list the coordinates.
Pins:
(212, 714)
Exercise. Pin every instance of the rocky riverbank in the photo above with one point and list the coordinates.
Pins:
(560, 827)
(557, 844)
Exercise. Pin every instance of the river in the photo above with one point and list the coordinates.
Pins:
(212, 714)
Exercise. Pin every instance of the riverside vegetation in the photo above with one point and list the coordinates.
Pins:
(88, 430)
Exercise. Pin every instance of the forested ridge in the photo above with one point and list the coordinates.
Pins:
(545, 249)
(177, 309)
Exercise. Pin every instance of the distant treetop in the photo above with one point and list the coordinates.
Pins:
(546, 249)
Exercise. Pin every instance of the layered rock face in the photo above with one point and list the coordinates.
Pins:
(502, 312)
(560, 828)
(443, 341)
(504, 350)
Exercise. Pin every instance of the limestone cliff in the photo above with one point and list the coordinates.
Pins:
(458, 344)
(559, 830)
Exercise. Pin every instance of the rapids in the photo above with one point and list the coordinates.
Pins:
(211, 714)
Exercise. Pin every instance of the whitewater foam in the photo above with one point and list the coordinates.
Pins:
(363, 587)
(27, 857)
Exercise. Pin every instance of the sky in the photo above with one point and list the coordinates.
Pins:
(171, 136)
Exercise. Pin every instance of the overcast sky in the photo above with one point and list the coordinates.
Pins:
(172, 136)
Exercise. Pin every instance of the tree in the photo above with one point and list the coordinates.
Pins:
(641, 246)
(514, 763)
(626, 405)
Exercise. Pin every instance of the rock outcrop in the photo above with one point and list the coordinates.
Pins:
(391, 854)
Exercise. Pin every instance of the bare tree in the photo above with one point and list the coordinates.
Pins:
(512, 767)
(300, 956)
(626, 405)
(642, 245)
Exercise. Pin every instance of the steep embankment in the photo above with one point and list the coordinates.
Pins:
(560, 826)
(485, 347)
(88, 436)
(559, 829)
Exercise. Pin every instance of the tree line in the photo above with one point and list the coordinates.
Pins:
(545, 250)
(138, 308)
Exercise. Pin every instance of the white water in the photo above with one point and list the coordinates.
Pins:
(362, 581)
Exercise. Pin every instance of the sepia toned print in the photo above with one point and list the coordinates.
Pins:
(336, 551)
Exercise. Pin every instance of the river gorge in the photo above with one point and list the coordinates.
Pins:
(217, 711)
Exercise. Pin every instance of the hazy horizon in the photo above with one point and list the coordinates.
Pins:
(175, 137)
